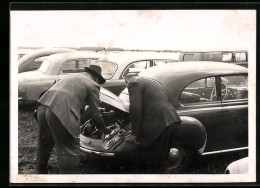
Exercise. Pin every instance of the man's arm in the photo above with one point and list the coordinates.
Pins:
(96, 116)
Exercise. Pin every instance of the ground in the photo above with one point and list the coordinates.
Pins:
(27, 151)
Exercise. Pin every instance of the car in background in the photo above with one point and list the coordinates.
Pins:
(34, 59)
(239, 57)
(32, 84)
(238, 167)
(133, 62)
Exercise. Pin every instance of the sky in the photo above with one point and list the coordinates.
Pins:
(131, 29)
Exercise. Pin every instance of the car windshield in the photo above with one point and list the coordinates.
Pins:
(108, 68)
(44, 67)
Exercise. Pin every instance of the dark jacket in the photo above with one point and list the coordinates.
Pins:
(150, 110)
(69, 96)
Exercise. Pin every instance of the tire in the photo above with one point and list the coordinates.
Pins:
(179, 159)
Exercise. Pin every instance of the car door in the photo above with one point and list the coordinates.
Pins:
(234, 97)
(201, 100)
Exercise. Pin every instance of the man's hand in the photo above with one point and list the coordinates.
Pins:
(132, 138)
(107, 130)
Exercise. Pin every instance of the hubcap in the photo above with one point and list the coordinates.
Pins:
(174, 155)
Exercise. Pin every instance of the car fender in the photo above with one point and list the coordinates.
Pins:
(191, 133)
(36, 89)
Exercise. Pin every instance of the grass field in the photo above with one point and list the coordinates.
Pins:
(27, 151)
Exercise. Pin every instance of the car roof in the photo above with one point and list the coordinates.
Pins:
(43, 52)
(208, 51)
(130, 56)
(176, 76)
(58, 59)
(123, 58)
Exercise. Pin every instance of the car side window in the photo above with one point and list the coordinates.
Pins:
(136, 67)
(200, 91)
(212, 56)
(188, 57)
(240, 57)
(163, 62)
(227, 57)
(234, 87)
(75, 66)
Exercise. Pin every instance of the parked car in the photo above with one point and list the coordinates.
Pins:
(211, 99)
(32, 84)
(237, 57)
(33, 60)
(130, 61)
(238, 167)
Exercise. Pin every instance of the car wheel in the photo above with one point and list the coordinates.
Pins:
(179, 159)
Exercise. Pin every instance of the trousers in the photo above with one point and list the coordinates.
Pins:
(156, 154)
(51, 132)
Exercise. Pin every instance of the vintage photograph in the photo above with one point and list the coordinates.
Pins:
(133, 96)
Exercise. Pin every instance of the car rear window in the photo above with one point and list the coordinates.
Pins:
(78, 65)
(44, 67)
(108, 68)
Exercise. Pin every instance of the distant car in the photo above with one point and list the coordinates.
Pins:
(238, 167)
(32, 84)
(238, 57)
(211, 99)
(34, 59)
(132, 61)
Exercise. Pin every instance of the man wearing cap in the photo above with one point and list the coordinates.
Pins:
(153, 121)
(59, 118)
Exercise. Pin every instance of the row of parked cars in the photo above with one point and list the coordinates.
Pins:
(210, 97)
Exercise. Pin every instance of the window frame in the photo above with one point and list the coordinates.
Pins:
(207, 103)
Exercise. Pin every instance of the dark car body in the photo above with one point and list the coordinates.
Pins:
(238, 57)
(32, 84)
(214, 93)
(211, 99)
(33, 60)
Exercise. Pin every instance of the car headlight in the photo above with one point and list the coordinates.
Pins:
(22, 88)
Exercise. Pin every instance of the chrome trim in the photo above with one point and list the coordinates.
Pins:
(200, 109)
(98, 152)
(203, 147)
(224, 151)
(235, 106)
(110, 142)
